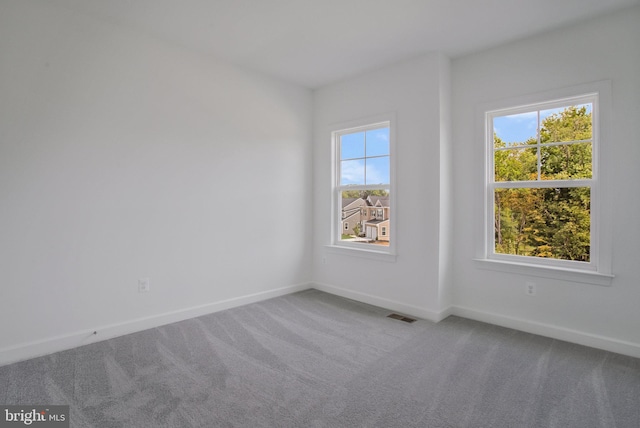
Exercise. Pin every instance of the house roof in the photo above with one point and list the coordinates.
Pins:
(348, 201)
(374, 222)
(350, 215)
(371, 201)
(379, 201)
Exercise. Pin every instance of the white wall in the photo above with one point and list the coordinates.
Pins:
(124, 157)
(415, 91)
(604, 48)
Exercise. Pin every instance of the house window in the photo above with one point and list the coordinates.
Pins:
(346, 226)
(542, 191)
(384, 231)
(363, 177)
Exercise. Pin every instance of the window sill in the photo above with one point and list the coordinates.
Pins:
(361, 252)
(552, 272)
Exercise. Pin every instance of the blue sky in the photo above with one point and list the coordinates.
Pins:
(517, 128)
(358, 148)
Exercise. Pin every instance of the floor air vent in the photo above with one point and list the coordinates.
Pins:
(401, 318)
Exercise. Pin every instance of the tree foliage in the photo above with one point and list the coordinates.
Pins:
(357, 229)
(546, 222)
(363, 193)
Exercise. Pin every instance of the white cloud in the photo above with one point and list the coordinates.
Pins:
(352, 172)
(374, 176)
(520, 117)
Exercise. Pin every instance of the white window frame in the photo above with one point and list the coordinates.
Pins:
(598, 269)
(373, 251)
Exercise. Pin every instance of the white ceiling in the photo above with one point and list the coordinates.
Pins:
(315, 42)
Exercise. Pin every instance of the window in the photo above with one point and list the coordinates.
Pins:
(363, 186)
(543, 196)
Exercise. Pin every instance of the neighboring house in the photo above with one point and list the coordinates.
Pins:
(352, 209)
(371, 213)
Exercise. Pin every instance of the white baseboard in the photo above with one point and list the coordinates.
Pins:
(552, 331)
(47, 346)
(63, 342)
(384, 303)
(568, 335)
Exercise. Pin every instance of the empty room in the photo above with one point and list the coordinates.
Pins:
(286, 213)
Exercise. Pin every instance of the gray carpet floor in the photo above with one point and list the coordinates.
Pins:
(311, 359)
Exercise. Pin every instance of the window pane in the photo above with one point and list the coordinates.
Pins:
(563, 124)
(516, 165)
(568, 161)
(378, 170)
(378, 142)
(352, 172)
(552, 223)
(363, 215)
(352, 145)
(515, 129)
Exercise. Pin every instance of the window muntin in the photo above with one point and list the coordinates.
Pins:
(363, 186)
(542, 183)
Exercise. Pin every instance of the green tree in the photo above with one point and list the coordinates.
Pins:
(546, 222)
(566, 161)
(514, 164)
(363, 193)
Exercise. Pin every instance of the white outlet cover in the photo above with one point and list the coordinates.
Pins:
(144, 285)
(530, 288)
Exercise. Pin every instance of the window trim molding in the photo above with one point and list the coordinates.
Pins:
(541, 271)
(370, 251)
(599, 270)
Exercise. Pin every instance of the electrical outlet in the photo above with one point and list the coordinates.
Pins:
(324, 260)
(530, 288)
(144, 285)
